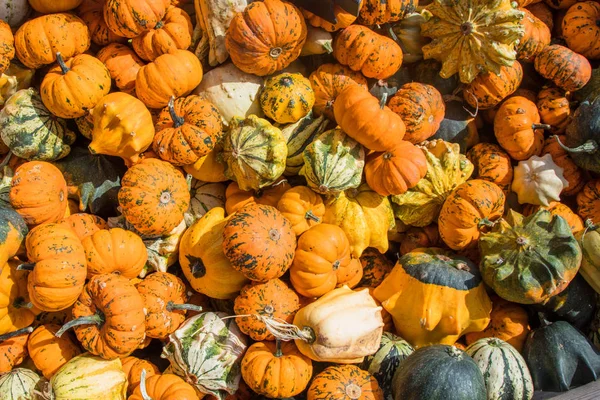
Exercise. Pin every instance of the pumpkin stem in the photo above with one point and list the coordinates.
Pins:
(327, 47)
(391, 32)
(543, 321)
(61, 63)
(6, 160)
(278, 352)
(589, 147)
(159, 25)
(18, 332)
(484, 222)
(189, 307)
(143, 386)
(96, 319)
(541, 126)
(25, 267)
(309, 215)
(20, 303)
(177, 120)
(284, 331)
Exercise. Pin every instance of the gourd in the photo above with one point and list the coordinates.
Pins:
(580, 30)
(375, 266)
(133, 367)
(408, 33)
(19, 384)
(535, 38)
(488, 90)
(491, 163)
(378, 12)
(587, 201)
(318, 41)
(302, 207)
(343, 18)
(12, 233)
(14, 348)
(92, 13)
(287, 97)
(114, 251)
(555, 109)
(122, 64)
(538, 181)
(298, 136)
(163, 387)
(130, 18)
(204, 196)
(49, 352)
(16, 311)
(568, 70)
(589, 241)
(15, 13)
(344, 382)
(16, 77)
(575, 222)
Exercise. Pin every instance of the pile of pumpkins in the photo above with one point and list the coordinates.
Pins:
(239, 200)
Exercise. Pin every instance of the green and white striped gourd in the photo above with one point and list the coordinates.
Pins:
(203, 197)
(18, 384)
(31, 131)
(299, 135)
(333, 162)
(504, 370)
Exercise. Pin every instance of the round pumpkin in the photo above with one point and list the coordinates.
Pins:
(16, 311)
(130, 18)
(568, 70)
(122, 64)
(287, 97)
(554, 108)
(489, 89)
(49, 352)
(344, 382)
(491, 164)
(164, 387)
(85, 225)
(92, 13)
(302, 207)
(7, 52)
(536, 37)
(580, 29)
(133, 367)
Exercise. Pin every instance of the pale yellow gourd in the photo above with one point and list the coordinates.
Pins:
(589, 241)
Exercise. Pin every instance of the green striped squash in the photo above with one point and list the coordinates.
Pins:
(18, 384)
(206, 351)
(333, 162)
(504, 369)
(254, 152)
(31, 131)
(203, 197)
(299, 135)
(384, 363)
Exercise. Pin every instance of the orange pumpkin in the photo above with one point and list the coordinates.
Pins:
(491, 163)
(16, 311)
(568, 70)
(7, 50)
(344, 382)
(418, 237)
(258, 43)
(554, 108)
(375, 267)
(536, 37)
(580, 29)
(84, 225)
(164, 387)
(133, 367)
(236, 198)
(49, 352)
(302, 207)
(588, 201)
(129, 18)
(92, 13)
(115, 251)
(571, 172)
(543, 13)
(489, 89)
(556, 208)
(343, 19)
(123, 65)
(13, 349)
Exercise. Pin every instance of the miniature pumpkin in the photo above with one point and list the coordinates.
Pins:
(7, 52)
(454, 303)
(85, 225)
(535, 38)
(202, 260)
(258, 44)
(116, 117)
(302, 207)
(344, 382)
(153, 196)
(538, 181)
(363, 50)
(367, 120)
(47, 7)
(130, 18)
(375, 268)
(491, 163)
(254, 152)
(554, 108)
(114, 251)
(343, 19)
(16, 311)
(287, 97)
(489, 89)
(13, 349)
(73, 87)
(269, 196)
(172, 74)
(49, 352)
(59, 267)
(133, 367)
(38, 40)
(470, 207)
(517, 128)
(327, 81)
(575, 222)
(588, 201)
(377, 12)
(186, 130)
(122, 64)
(395, 171)
(173, 32)
(92, 13)
(580, 29)
(163, 387)
(39, 193)
(568, 70)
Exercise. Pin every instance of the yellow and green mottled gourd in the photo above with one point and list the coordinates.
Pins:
(31, 131)
(299, 135)
(285, 98)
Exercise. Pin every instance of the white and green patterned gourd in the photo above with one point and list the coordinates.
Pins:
(504, 370)
(31, 131)
(207, 352)
(203, 197)
(19, 384)
(298, 136)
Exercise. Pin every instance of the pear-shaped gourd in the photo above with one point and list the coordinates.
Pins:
(538, 181)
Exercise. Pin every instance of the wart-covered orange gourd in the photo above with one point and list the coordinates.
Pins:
(129, 18)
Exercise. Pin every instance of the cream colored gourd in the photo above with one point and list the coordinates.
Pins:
(318, 41)
(538, 181)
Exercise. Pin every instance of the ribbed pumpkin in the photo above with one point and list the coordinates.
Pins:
(85, 225)
(38, 40)
(19, 383)
(333, 162)
(116, 251)
(421, 107)
(123, 65)
(568, 70)
(49, 352)
(588, 201)
(287, 97)
(489, 89)
(344, 382)
(16, 311)
(580, 29)
(377, 12)
(455, 293)
(446, 169)
(153, 197)
(133, 367)
(328, 81)
(536, 37)
(573, 220)
(92, 13)
(302, 207)
(299, 135)
(343, 19)
(259, 242)
(164, 387)
(130, 18)
(529, 259)
(187, 129)
(491, 164)
(13, 349)
(30, 131)
(237, 198)
(554, 108)
(258, 44)
(254, 152)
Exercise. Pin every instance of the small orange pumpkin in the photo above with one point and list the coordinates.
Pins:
(491, 163)
(344, 382)
(123, 65)
(115, 251)
(580, 29)
(92, 13)
(236, 198)
(84, 224)
(489, 89)
(164, 387)
(375, 267)
(13, 349)
(129, 18)
(303, 207)
(49, 352)
(536, 37)
(133, 367)
(571, 172)
(554, 108)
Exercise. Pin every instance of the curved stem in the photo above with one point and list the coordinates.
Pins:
(391, 32)
(61, 63)
(143, 389)
(589, 147)
(25, 267)
(95, 319)
(189, 307)
(18, 332)
(309, 215)
(177, 120)
(20, 303)
(278, 352)
(541, 126)
(6, 160)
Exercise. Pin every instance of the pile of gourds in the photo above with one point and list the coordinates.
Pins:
(247, 200)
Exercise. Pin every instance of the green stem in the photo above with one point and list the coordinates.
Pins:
(177, 120)
(327, 47)
(20, 303)
(25, 267)
(96, 319)
(143, 389)
(309, 215)
(278, 352)
(589, 147)
(392, 33)
(485, 222)
(383, 100)
(6, 160)
(189, 307)
(541, 126)
(18, 332)
(61, 63)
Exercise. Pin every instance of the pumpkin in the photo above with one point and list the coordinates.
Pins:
(343, 19)
(269, 196)
(518, 248)
(114, 251)
(538, 181)
(92, 13)
(287, 97)
(298, 136)
(258, 45)
(204, 196)
(259, 242)
(206, 351)
(84, 225)
(73, 87)
(15, 78)
(46, 7)
(492, 164)
(132, 17)
(16, 311)
(7, 52)
(202, 260)
(38, 40)
(446, 169)
(208, 168)
(29, 129)
(12, 232)
(153, 197)
(327, 81)
(19, 384)
(186, 130)
(344, 382)
(172, 74)
(108, 317)
(49, 352)
(504, 370)
(13, 348)
(587, 201)
(254, 152)
(367, 120)
(489, 89)
(122, 64)
(577, 364)
(173, 32)
(395, 171)
(535, 38)
(421, 107)
(457, 30)
(376, 12)
(133, 367)
(15, 13)
(302, 207)
(554, 108)
(543, 13)
(88, 377)
(163, 387)
(581, 141)
(568, 70)
(580, 31)
(517, 128)
(418, 237)
(575, 222)
(375, 268)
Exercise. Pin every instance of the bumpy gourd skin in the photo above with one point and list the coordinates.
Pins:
(286, 97)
